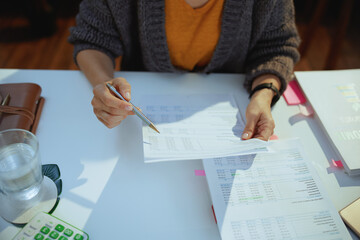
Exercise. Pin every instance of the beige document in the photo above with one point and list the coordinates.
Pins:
(351, 216)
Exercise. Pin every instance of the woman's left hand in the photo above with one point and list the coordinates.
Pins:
(259, 121)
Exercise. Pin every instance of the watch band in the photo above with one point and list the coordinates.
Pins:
(269, 86)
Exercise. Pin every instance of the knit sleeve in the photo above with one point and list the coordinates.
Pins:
(95, 29)
(275, 50)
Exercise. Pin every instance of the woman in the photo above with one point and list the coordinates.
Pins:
(255, 37)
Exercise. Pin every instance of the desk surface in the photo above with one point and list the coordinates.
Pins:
(109, 191)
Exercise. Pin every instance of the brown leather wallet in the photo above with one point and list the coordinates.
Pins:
(20, 106)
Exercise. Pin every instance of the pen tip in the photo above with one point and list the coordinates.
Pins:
(154, 128)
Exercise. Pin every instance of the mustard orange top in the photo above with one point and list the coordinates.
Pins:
(192, 34)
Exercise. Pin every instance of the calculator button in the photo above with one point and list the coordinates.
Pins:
(63, 238)
(50, 224)
(78, 237)
(39, 237)
(54, 235)
(29, 232)
(59, 227)
(36, 224)
(45, 230)
(22, 238)
(68, 232)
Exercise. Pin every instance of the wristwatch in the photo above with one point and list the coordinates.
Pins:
(269, 86)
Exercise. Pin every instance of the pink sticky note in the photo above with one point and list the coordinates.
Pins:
(293, 94)
(274, 137)
(337, 163)
(200, 173)
(306, 110)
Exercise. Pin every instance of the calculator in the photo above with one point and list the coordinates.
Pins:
(47, 227)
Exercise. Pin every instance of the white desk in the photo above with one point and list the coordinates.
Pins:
(110, 193)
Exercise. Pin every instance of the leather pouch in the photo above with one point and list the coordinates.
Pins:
(23, 107)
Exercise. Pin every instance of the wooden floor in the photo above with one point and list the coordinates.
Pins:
(55, 52)
(52, 52)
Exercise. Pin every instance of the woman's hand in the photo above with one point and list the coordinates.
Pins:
(110, 110)
(259, 121)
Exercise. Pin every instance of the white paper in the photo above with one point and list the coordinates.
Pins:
(338, 111)
(195, 127)
(274, 195)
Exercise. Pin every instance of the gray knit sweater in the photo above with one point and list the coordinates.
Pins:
(257, 36)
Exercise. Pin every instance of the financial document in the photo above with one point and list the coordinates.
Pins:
(274, 195)
(195, 127)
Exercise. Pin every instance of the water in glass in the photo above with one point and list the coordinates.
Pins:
(20, 171)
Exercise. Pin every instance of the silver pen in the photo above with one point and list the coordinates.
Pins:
(134, 109)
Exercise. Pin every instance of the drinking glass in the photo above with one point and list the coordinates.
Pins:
(20, 166)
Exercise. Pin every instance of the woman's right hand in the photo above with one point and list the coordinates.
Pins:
(110, 110)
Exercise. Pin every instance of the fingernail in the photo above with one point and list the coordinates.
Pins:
(245, 136)
(129, 108)
(127, 95)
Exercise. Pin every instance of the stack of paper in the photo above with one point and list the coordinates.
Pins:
(195, 127)
(275, 195)
(335, 97)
